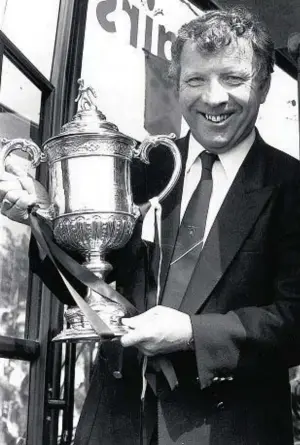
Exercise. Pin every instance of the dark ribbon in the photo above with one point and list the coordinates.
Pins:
(43, 235)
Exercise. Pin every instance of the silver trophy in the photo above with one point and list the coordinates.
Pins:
(92, 210)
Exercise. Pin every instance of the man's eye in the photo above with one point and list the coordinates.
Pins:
(195, 81)
(234, 80)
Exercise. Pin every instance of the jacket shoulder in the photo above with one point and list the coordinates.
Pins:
(281, 166)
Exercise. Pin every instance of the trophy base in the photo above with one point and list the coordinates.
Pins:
(79, 329)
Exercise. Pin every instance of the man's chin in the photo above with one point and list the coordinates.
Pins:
(216, 146)
(215, 143)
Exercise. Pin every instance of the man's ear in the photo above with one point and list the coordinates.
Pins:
(265, 87)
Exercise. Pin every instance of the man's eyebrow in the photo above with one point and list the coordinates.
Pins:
(237, 71)
(195, 73)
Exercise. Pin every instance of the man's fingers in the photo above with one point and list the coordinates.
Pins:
(131, 322)
(19, 197)
(27, 184)
(130, 339)
(135, 337)
(15, 205)
(16, 214)
(20, 200)
(6, 186)
(16, 165)
(8, 177)
(139, 320)
(25, 200)
(18, 193)
(13, 169)
(10, 181)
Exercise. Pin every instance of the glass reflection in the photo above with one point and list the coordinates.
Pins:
(22, 122)
(14, 383)
(19, 95)
(31, 26)
(85, 356)
(13, 277)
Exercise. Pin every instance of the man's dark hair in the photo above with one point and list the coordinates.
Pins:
(217, 29)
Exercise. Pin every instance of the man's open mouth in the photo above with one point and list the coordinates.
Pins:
(216, 118)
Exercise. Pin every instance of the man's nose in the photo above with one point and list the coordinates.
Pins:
(215, 93)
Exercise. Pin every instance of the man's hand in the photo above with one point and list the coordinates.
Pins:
(158, 331)
(19, 191)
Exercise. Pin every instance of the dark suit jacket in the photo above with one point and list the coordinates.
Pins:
(244, 302)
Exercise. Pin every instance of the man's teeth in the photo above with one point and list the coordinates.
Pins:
(218, 118)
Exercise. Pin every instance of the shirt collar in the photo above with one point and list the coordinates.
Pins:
(231, 160)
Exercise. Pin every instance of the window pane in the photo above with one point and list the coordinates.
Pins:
(19, 94)
(134, 97)
(14, 270)
(14, 277)
(14, 379)
(278, 116)
(85, 357)
(31, 26)
(19, 117)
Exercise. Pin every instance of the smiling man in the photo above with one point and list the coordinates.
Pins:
(230, 302)
(226, 329)
(220, 94)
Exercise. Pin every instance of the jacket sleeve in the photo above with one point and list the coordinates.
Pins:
(250, 340)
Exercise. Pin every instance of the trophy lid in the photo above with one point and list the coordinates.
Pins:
(89, 119)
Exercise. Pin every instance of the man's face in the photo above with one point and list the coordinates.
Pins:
(220, 94)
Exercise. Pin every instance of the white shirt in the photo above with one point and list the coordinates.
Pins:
(223, 173)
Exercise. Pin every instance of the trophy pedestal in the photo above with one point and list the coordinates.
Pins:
(79, 329)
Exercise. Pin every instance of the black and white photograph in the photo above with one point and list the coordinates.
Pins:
(149, 222)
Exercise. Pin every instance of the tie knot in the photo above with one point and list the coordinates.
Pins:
(208, 160)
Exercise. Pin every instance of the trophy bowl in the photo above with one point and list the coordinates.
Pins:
(92, 209)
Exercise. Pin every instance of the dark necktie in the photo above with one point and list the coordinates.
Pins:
(189, 240)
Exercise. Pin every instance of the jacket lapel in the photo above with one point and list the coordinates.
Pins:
(241, 208)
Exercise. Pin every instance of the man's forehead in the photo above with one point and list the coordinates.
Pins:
(239, 50)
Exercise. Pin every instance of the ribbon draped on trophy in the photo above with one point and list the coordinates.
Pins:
(91, 211)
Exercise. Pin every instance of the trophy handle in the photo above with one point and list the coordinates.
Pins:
(142, 152)
(8, 146)
(36, 156)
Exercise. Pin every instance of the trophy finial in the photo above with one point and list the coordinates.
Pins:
(88, 117)
(86, 97)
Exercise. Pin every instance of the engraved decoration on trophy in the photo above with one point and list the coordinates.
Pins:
(92, 209)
